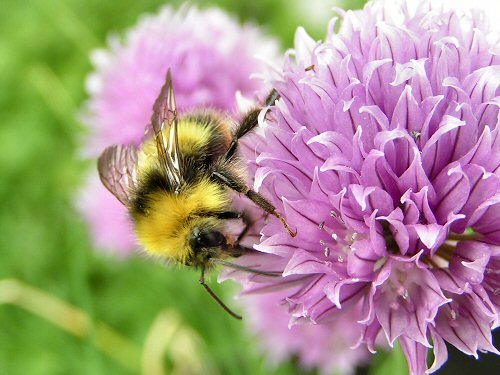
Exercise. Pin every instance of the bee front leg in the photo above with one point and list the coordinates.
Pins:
(237, 185)
(249, 122)
(215, 296)
(229, 215)
(248, 224)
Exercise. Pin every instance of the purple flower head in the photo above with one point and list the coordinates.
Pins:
(211, 57)
(384, 152)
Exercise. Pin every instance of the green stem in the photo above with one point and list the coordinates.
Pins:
(467, 236)
(72, 320)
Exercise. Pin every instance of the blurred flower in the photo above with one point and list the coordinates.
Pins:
(326, 346)
(211, 57)
(384, 153)
(110, 226)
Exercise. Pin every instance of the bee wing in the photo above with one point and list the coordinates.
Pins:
(117, 170)
(163, 120)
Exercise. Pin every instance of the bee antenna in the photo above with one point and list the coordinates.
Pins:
(215, 297)
(246, 269)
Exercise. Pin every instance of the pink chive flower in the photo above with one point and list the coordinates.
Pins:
(211, 56)
(326, 346)
(384, 152)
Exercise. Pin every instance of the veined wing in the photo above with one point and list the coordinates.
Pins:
(117, 169)
(164, 121)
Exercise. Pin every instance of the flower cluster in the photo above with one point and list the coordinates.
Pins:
(384, 152)
(211, 57)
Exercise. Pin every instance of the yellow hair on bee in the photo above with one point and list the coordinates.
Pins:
(192, 137)
(165, 229)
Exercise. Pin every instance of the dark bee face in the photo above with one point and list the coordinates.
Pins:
(210, 238)
(206, 243)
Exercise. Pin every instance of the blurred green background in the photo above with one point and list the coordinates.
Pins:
(44, 59)
(122, 304)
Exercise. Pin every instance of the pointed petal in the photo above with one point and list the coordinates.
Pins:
(416, 355)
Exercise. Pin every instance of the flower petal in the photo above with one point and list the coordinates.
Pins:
(469, 261)
(416, 355)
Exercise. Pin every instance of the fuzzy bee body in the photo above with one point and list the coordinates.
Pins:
(177, 186)
(166, 219)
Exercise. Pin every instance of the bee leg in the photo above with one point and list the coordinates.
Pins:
(247, 269)
(229, 215)
(215, 297)
(259, 200)
(248, 225)
(245, 126)
(249, 122)
(237, 215)
(272, 97)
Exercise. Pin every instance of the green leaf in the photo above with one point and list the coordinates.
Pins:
(390, 362)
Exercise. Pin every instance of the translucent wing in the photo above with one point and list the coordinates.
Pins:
(164, 121)
(117, 170)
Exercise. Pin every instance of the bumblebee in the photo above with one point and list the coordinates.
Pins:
(177, 186)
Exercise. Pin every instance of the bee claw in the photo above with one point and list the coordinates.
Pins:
(291, 232)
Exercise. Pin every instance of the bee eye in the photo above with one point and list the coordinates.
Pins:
(210, 239)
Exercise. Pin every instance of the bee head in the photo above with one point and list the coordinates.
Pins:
(206, 242)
